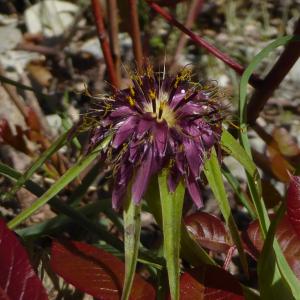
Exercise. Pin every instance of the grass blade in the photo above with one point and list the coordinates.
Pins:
(132, 231)
(171, 204)
(64, 180)
(286, 273)
(213, 174)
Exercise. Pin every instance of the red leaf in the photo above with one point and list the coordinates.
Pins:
(287, 239)
(16, 141)
(293, 203)
(209, 283)
(94, 271)
(18, 280)
(208, 231)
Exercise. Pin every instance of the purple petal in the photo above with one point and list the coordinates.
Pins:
(161, 138)
(177, 98)
(193, 156)
(118, 194)
(190, 109)
(142, 178)
(122, 112)
(208, 139)
(143, 126)
(125, 130)
(180, 162)
(194, 191)
(122, 179)
(134, 151)
(173, 179)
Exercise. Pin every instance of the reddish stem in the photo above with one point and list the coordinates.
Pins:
(114, 35)
(283, 65)
(98, 15)
(135, 33)
(254, 79)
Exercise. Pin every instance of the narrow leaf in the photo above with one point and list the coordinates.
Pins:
(214, 176)
(71, 174)
(264, 221)
(132, 231)
(171, 204)
(17, 277)
(271, 266)
(191, 251)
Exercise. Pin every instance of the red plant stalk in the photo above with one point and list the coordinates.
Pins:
(99, 22)
(254, 79)
(135, 33)
(268, 85)
(114, 35)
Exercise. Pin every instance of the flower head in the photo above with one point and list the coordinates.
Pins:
(155, 123)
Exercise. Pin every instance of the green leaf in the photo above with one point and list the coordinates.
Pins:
(64, 180)
(238, 191)
(271, 265)
(171, 204)
(213, 174)
(286, 273)
(132, 231)
(234, 149)
(191, 251)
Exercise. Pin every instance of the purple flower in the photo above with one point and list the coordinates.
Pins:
(155, 123)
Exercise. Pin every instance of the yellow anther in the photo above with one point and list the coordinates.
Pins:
(152, 94)
(132, 92)
(131, 100)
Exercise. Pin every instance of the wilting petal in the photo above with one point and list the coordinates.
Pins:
(173, 179)
(208, 139)
(180, 162)
(191, 109)
(142, 178)
(122, 111)
(161, 138)
(125, 130)
(193, 156)
(193, 188)
(118, 194)
(143, 126)
(177, 98)
(134, 151)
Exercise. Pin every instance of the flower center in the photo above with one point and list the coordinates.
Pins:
(160, 109)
